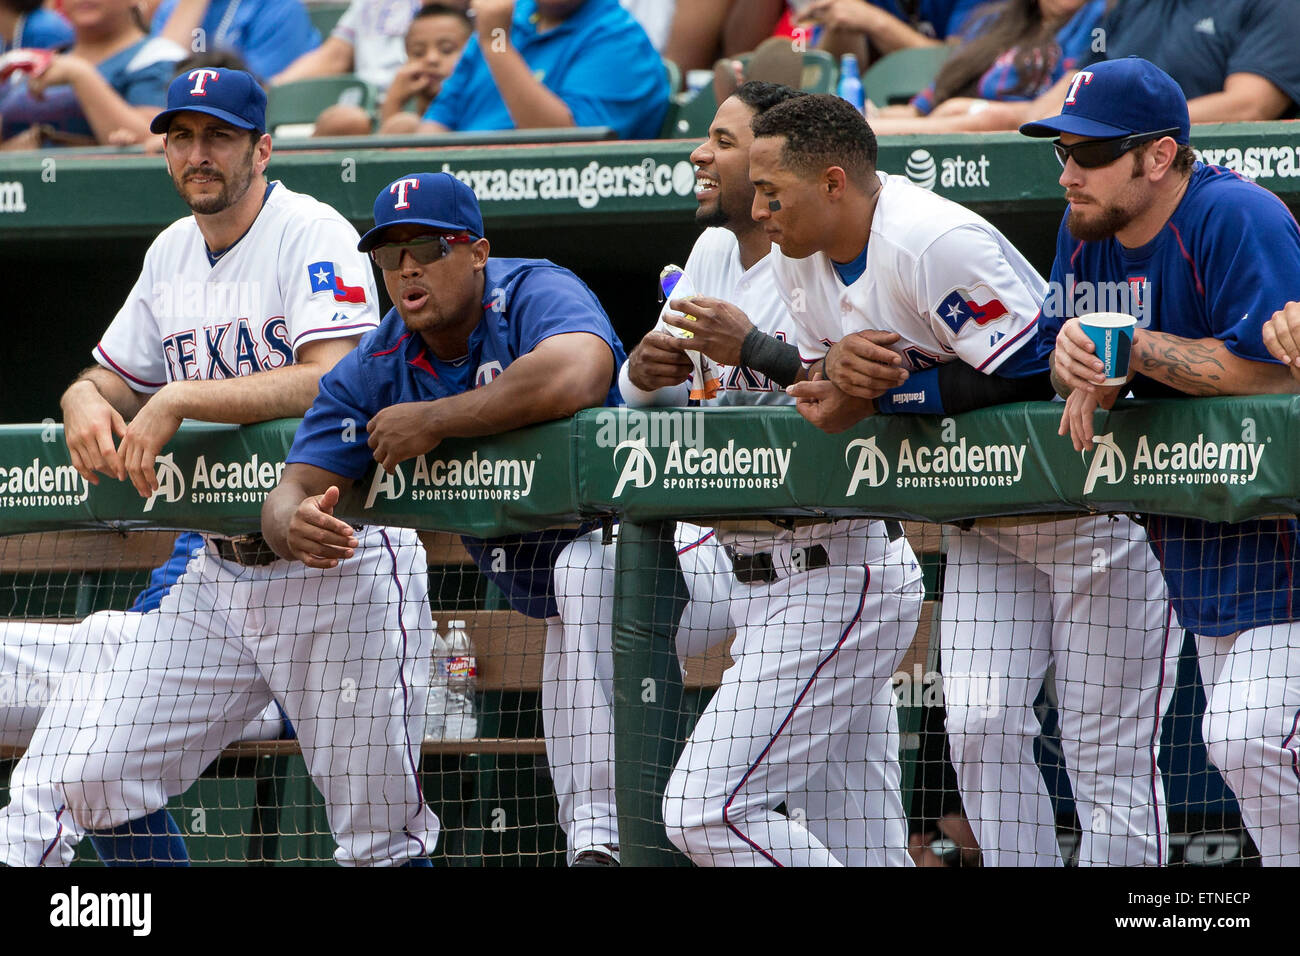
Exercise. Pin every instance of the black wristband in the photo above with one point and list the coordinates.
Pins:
(774, 358)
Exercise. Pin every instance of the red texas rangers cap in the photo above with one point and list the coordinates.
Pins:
(437, 200)
(230, 95)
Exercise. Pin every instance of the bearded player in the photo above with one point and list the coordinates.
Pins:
(1221, 257)
(339, 648)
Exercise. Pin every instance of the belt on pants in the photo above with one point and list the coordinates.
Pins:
(249, 550)
(761, 569)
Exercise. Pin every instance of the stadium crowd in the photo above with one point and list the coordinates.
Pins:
(79, 72)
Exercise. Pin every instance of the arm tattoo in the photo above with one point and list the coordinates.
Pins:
(1190, 366)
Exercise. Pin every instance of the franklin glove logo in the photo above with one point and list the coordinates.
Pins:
(1108, 462)
(638, 465)
(171, 483)
(871, 465)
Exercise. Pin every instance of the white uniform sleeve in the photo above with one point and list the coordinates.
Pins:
(980, 304)
(810, 344)
(328, 286)
(132, 346)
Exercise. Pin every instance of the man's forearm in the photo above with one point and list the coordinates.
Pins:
(1061, 388)
(563, 375)
(331, 57)
(105, 110)
(1205, 367)
(126, 400)
(531, 104)
(533, 394)
(278, 393)
(888, 33)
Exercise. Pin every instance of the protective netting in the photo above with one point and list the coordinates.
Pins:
(281, 714)
(1008, 692)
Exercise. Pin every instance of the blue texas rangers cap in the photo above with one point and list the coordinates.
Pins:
(437, 200)
(230, 95)
(1119, 98)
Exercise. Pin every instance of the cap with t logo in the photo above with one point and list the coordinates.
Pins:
(1119, 98)
(232, 96)
(439, 201)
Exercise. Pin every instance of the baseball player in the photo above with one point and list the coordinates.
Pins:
(473, 346)
(47, 669)
(908, 302)
(860, 821)
(262, 285)
(1219, 256)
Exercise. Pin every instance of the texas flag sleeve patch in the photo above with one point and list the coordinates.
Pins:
(324, 278)
(959, 307)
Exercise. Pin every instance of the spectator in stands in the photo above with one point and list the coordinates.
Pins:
(268, 34)
(368, 40)
(705, 30)
(1234, 60)
(883, 26)
(1017, 51)
(655, 17)
(27, 25)
(113, 77)
(218, 60)
(434, 43)
(554, 63)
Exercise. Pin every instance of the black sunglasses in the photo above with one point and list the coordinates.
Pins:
(424, 250)
(1094, 153)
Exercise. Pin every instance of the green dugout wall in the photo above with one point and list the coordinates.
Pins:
(74, 225)
(1221, 459)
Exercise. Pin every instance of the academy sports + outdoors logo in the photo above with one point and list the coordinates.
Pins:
(232, 481)
(687, 468)
(1161, 462)
(37, 485)
(456, 479)
(952, 463)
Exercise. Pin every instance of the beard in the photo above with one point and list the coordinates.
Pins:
(709, 217)
(1103, 226)
(233, 188)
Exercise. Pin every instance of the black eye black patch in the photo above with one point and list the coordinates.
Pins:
(774, 205)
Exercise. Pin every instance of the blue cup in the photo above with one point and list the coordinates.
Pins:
(1112, 335)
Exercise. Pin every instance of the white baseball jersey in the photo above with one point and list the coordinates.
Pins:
(226, 639)
(939, 275)
(848, 799)
(295, 277)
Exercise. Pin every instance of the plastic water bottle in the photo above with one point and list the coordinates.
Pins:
(435, 716)
(850, 87)
(461, 721)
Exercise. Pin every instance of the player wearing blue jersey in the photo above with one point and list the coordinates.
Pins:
(474, 346)
(1210, 258)
(437, 368)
